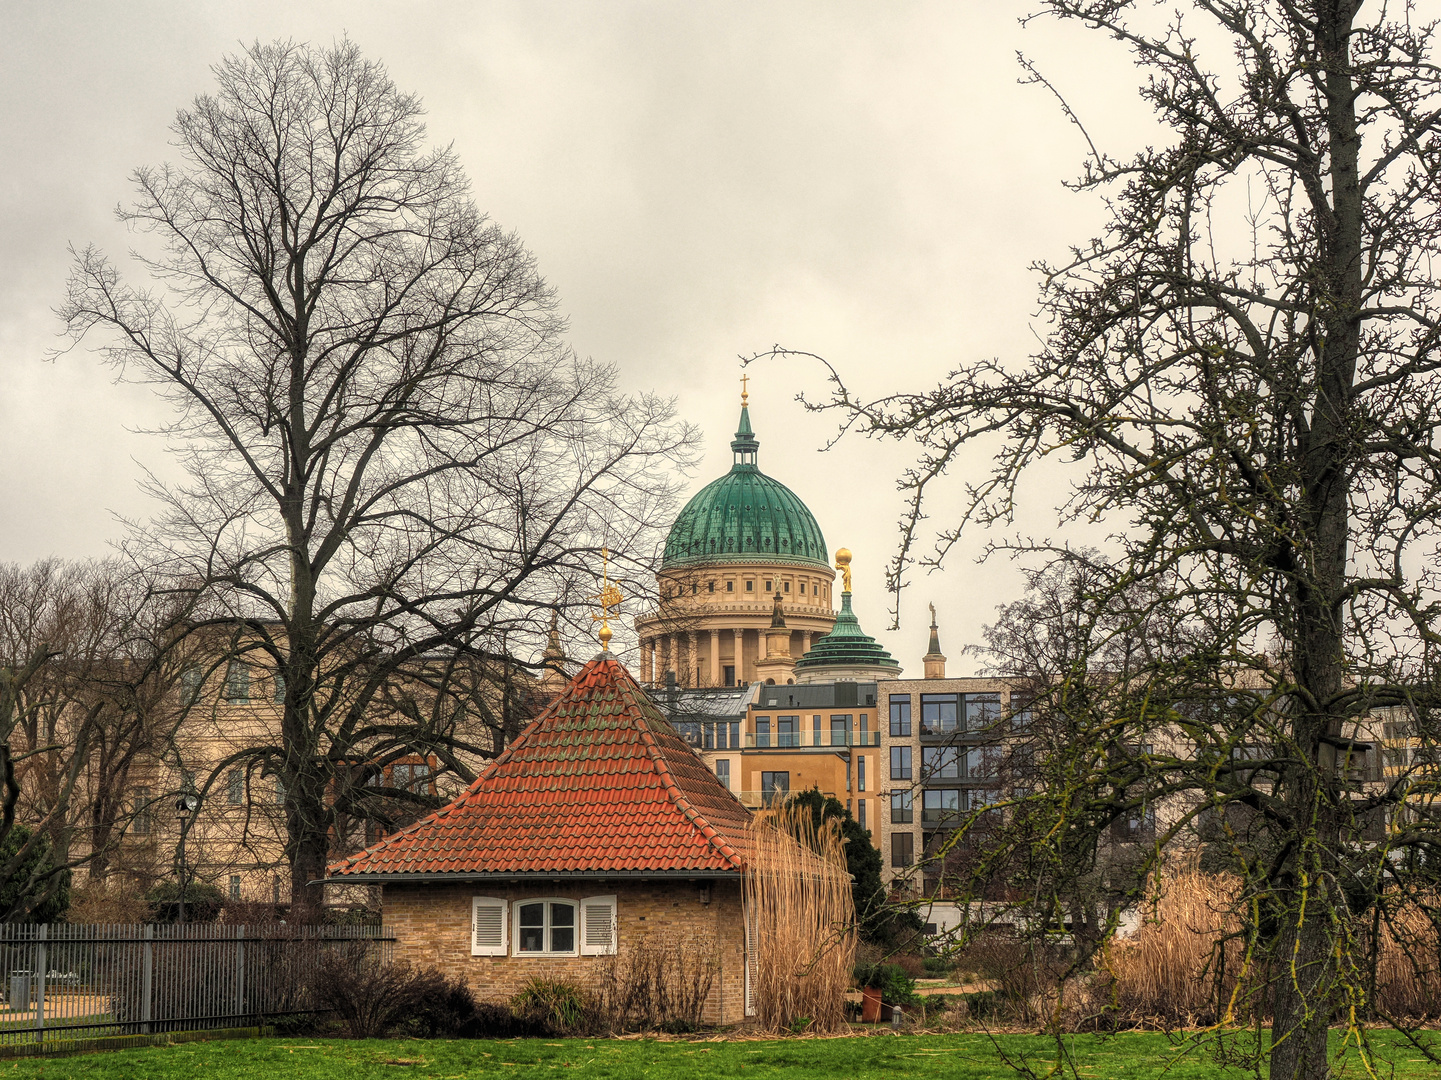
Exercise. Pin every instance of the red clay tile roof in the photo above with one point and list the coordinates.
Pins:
(599, 782)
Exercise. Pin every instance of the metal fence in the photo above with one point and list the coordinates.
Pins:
(60, 981)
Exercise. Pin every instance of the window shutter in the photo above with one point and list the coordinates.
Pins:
(597, 926)
(487, 926)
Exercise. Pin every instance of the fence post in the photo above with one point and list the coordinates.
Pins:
(41, 968)
(147, 971)
(240, 971)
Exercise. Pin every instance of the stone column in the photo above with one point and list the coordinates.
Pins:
(740, 656)
(805, 642)
(647, 660)
(692, 666)
(715, 664)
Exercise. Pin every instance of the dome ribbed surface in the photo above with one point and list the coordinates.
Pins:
(745, 515)
(847, 645)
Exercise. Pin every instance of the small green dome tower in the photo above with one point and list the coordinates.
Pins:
(847, 652)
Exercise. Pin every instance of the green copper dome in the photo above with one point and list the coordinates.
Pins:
(848, 646)
(745, 515)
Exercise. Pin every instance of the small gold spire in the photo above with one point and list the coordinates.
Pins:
(843, 564)
(608, 597)
(744, 395)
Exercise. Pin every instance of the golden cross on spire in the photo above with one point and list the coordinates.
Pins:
(744, 395)
(608, 597)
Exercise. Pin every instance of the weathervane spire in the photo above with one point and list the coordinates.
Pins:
(608, 597)
(745, 396)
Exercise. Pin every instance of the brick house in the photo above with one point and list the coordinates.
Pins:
(597, 827)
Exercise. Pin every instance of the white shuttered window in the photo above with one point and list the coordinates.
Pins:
(487, 926)
(597, 926)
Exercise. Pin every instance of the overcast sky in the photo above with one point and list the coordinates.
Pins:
(698, 180)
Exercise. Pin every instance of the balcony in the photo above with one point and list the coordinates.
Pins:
(811, 740)
(758, 800)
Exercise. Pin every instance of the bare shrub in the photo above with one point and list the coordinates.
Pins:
(108, 903)
(802, 920)
(660, 983)
(373, 999)
(1022, 972)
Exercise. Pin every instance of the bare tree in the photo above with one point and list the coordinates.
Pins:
(85, 700)
(1246, 363)
(392, 455)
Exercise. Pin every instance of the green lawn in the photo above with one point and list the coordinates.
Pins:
(1132, 1056)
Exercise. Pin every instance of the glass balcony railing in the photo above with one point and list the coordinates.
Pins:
(787, 740)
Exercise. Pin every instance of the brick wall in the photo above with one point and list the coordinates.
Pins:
(431, 924)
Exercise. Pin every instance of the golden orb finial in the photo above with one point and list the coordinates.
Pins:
(608, 597)
(843, 564)
(745, 396)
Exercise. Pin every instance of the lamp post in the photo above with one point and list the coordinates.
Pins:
(186, 805)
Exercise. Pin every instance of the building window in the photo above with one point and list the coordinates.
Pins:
(903, 849)
(982, 762)
(710, 586)
(1020, 713)
(900, 716)
(763, 730)
(411, 776)
(788, 731)
(768, 585)
(235, 886)
(730, 586)
(1139, 823)
(940, 762)
(750, 586)
(938, 714)
(861, 774)
(861, 812)
(237, 683)
(730, 675)
(901, 808)
(140, 822)
(983, 711)
(840, 730)
(279, 795)
(191, 680)
(900, 763)
(775, 786)
(545, 927)
(803, 588)
(235, 787)
(787, 586)
(723, 772)
(942, 806)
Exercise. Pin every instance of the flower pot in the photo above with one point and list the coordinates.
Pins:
(871, 1004)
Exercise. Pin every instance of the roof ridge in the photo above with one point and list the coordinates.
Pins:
(713, 836)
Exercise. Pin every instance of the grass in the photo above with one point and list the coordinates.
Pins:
(1133, 1056)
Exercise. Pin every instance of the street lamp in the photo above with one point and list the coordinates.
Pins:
(186, 805)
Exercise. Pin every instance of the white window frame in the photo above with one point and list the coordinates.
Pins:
(493, 903)
(515, 907)
(586, 947)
